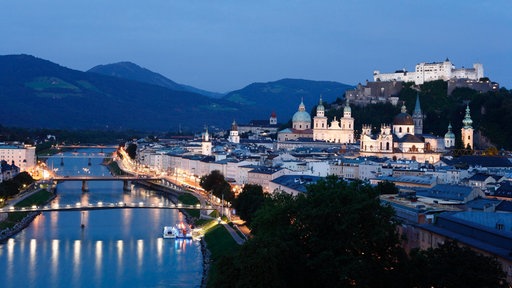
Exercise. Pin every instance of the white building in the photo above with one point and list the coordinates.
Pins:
(22, 156)
(233, 134)
(425, 72)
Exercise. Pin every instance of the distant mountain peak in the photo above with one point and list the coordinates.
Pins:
(132, 71)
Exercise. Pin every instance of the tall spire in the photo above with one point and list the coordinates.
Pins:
(467, 119)
(404, 109)
(417, 117)
(417, 108)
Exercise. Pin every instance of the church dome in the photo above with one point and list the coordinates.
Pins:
(403, 118)
(320, 106)
(301, 116)
(347, 109)
(449, 134)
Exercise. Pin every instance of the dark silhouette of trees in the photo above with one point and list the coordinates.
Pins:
(453, 266)
(386, 187)
(339, 234)
(336, 235)
(13, 186)
(249, 201)
(217, 185)
(131, 150)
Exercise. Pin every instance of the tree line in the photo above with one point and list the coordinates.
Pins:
(338, 234)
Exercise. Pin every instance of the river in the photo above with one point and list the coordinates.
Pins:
(116, 248)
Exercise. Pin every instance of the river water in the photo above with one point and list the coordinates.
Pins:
(117, 248)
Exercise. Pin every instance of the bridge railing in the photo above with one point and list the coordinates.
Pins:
(102, 205)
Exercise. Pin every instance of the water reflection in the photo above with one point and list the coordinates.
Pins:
(98, 253)
(32, 260)
(54, 261)
(55, 252)
(140, 254)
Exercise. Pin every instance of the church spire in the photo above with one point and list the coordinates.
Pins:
(302, 107)
(417, 117)
(417, 108)
(467, 119)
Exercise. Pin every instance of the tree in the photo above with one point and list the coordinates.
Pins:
(386, 187)
(249, 201)
(131, 150)
(215, 183)
(450, 265)
(335, 235)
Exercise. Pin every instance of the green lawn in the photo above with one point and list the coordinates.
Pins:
(39, 198)
(219, 242)
(189, 199)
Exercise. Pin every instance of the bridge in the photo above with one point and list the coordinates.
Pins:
(126, 180)
(96, 155)
(79, 146)
(103, 206)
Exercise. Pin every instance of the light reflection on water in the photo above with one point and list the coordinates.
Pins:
(116, 248)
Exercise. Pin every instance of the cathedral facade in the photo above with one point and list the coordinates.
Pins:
(337, 131)
(403, 139)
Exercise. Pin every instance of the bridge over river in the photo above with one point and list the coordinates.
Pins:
(103, 206)
(125, 178)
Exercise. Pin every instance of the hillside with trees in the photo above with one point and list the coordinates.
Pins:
(490, 112)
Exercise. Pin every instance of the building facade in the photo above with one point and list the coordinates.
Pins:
(425, 72)
(22, 156)
(338, 131)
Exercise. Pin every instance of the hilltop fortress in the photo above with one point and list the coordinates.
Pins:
(425, 72)
(386, 86)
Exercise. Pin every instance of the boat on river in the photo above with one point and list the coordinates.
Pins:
(178, 231)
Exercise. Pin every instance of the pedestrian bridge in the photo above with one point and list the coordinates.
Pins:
(102, 206)
(126, 180)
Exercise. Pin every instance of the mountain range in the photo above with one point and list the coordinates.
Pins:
(36, 93)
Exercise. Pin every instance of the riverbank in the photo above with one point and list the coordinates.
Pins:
(16, 222)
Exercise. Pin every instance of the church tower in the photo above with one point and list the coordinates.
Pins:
(233, 134)
(347, 124)
(418, 117)
(206, 144)
(467, 130)
(449, 137)
(273, 118)
(319, 122)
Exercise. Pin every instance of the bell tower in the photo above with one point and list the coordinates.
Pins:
(467, 130)
(206, 144)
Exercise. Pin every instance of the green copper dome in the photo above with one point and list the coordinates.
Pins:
(301, 115)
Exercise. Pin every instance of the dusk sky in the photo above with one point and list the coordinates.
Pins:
(225, 45)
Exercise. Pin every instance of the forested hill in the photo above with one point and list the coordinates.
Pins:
(36, 93)
(491, 112)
